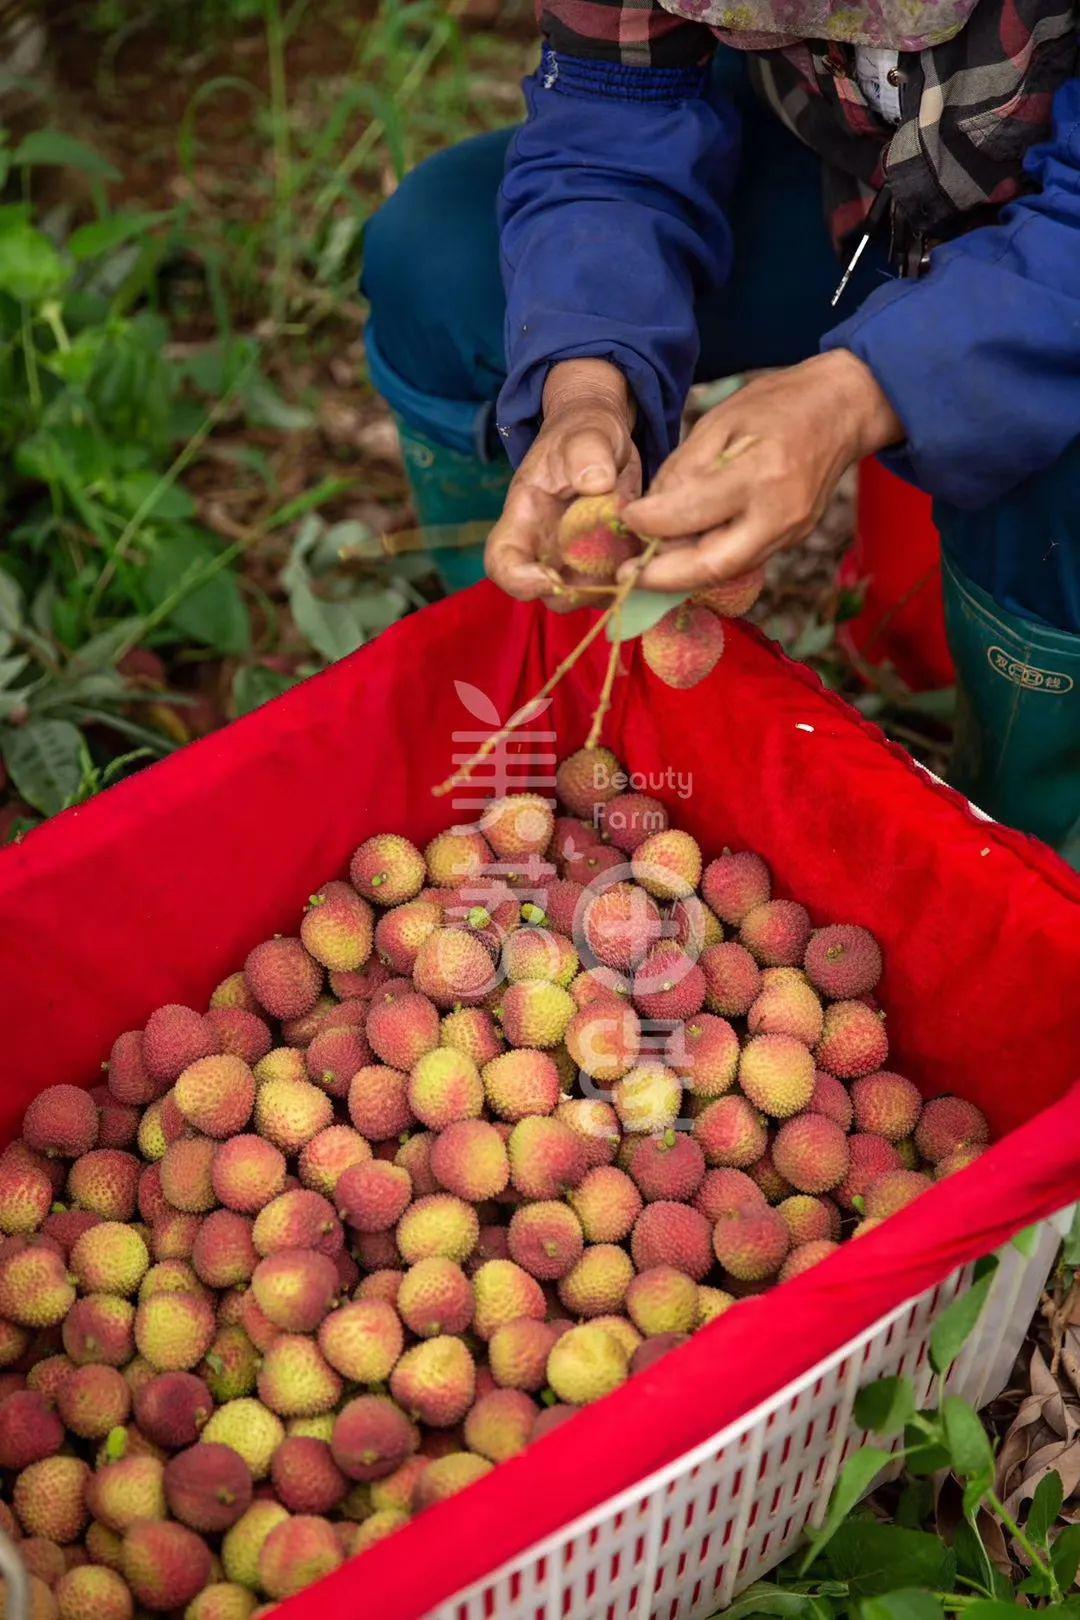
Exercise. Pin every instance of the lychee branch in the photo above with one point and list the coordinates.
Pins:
(528, 709)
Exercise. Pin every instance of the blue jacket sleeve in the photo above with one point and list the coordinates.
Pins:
(612, 224)
(981, 358)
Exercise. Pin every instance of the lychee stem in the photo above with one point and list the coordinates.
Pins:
(604, 702)
(528, 709)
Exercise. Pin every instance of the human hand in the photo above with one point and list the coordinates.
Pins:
(757, 472)
(583, 448)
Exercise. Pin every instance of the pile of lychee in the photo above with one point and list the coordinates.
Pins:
(506, 1120)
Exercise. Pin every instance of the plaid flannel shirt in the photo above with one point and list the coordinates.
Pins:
(971, 107)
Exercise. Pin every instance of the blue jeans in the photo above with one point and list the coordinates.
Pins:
(435, 339)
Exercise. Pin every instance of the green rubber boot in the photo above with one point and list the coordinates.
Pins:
(1016, 752)
(449, 488)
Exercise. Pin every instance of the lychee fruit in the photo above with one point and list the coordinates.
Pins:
(94, 1400)
(61, 1120)
(546, 1157)
(805, 1255)
(438, 1225)
(596, 1284)
(372, 1197)
(734, 884)
(518, 1352)
(388, 869)
(730, 1132)
(299, 1551)
(174, 1037)
(173, 1331)
(684, 646)
(500, 1424)
(843, 961)
(283, 977)
(29, 1429)
(649, 1098)
(620, 923)
(165, 1565)
(948, 1125)
(893, 1191)
(379, 1103)
(732, 979)
(592, 539)
(731, 598)
(35, 1289)
(777, 1074)
(372, 1437)
(99, 1328)
(289, 1113)
(727, 1192)
(241, 1033)
(337, 928)
(171, 1409)
(517, 825)
(811, 1152)
(787, 1006)
(831, 1098)
(445, 1087)
(604, 1039)
(668, 864)
(668, 984)
(325, 1158)
(586, 1364)
(587, 779)
(751, 1246)
(456, 856)
(49, 1499)
(295, 1288)
(453, 966)
(669, 1165)
(546, 1239)
(473, 1031)
(246, 1173)
(435, 1381)
(208, 1487)
(807, 1219)
(853, 1041)
(435, 1297)
(776, 933)
(520, 1083)
(629, 819)
(503, 1291)
(667, 1233)
(104, 1181)
(187, 1175)
(125, 1491)
(869, 1157)
(596, 1122)
(306, 1477)
(662, 1300)
(251, 1428)
(469, 1159)
(886, 1104)
(401, 1028)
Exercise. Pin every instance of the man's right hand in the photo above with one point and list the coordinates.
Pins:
(583, 448)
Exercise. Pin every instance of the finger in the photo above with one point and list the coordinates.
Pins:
(717, 555)
(511, 553)
(689, 506)
(589, 462)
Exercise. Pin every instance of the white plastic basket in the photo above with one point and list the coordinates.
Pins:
(686, 1540)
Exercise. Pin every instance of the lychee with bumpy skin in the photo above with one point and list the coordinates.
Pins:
(831, 1098)
(586, 1364)
(126, 1073)
(520, 1083)
(174, 1037)
(670, 1165)
(667, 1233)
(777, 1074)
(187, 1174)
(306, 1477)
(94, 1400)
(173, 1331)
(456, 856)
(787, 1006)
(208, 1487)
(446, 1476)
(668, 864)
(662, 1300)
(752, 1246)
(469, 1159)
(732, 979)
(869, 1157)
(29, 1429)
(604, 1039)
(607, 1203)
(957, 1160)
(49, 1499)
(811, 1152)
(620, 923)
(296, 1380)
(886, 1104)
(289, 1113)
(295, 1288)
(399, 933)
(241, 1033)
(171, 1409)
(776, 933)
(668, 984)
(165, 1565)
(104, 1181)
(596, 1285)
(684, 646)
(592, 539)
(281, 1063)
(388, 869)
(438, 1225)
(61, 1120)
(99, 1328)
(596, 1122)
(730, 1132)
(731, 598)
(948, 1125)
(283, 977)
(25, 1195)
(517, 825)
(518, 1352)
(372, 1197)
(649, 1098)
(325, 1158)
(503, 1291)
(853, 1041)
(90, 1592)
(892, 1191)
(546, 1239)
(172, 1235)
(764, 1172)
(242, 1544)
(337, 928)
(223, 1255)
(453, 966)
(727, 1192)
(296, 1553)
(807, 1219)
(246, 1173)
(472, 1031)
(445, 1087)
(372, 1437)
(843, 961)
(630, 818)
(221, 1600)
(587, 779)
(362, 1340)
(233, 992)
(712, 1302)
(736, 883)
(435, 1297)
(547, 1158)
(251, 1428)
(401, 1028)
(125, 1491)
(35, 1289)
(379, 1103)
(804, 1256)
(500, 1424)
(435, 1381)
(535, 1013)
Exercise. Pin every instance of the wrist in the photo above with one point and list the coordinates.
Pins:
(587, 387)
(873, 424)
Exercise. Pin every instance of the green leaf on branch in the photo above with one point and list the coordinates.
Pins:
(906, 1604)
(954, 1326)
(1065, 1556)
(102, 235)
(969, 1449)
(1044, 1509)
(872, 1558)
(212, 612)
(856, 1478)
(885, 1406)
(51, 148)
(641, 610)
(45, 759)
(31, 269)
(254, 685)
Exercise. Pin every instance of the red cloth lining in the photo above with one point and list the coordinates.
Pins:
(155, 890)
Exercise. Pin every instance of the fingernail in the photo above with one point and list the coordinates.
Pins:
(593, 472)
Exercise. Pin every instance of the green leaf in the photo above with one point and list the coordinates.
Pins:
(886, 1406)
(12, 667)
(873, 1558)
(211, 613)
(641, 610)
(969, 1448)
(765, 1598)
(51, 148)
(45, 761)
(1065, 1556)
(953, 1327)
(856, 1478)
(11, 604)
(992, 1609)
(31, 270)
(254, 685)
(105, 234)
(1045, 1507)
(906, 1604)
(1027, 1241)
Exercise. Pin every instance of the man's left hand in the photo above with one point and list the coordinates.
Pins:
(756, 473)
